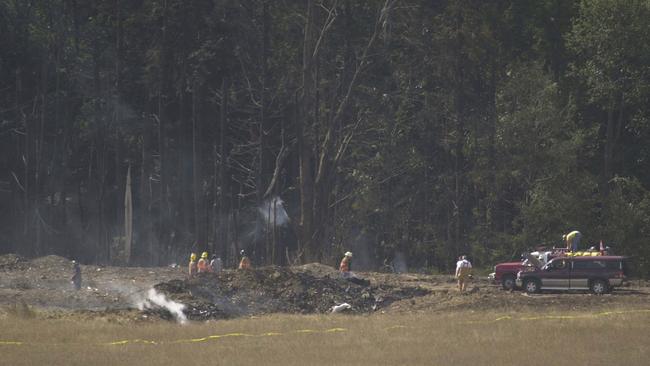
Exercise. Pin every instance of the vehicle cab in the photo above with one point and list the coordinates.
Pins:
(599, 274)
(505, 274)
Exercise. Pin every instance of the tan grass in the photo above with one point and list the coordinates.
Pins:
(460, 338)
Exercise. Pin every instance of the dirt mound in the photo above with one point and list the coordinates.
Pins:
(44, 285)
(53, 262)
(317, 270)
(277, 290)
(12, 262)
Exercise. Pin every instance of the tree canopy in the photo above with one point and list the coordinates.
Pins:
(135, 132)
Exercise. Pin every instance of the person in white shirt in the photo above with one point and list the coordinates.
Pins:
(216, 263)
(463, 271)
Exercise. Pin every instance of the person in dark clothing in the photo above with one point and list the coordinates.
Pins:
(76, 276)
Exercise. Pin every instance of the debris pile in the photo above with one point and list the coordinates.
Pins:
(266, 290)
(11, 262)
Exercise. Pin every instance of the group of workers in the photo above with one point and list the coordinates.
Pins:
(215, 264)
(463, 265)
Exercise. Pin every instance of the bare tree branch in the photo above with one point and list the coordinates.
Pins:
(279, 160)
(331, 17)
(325, 146)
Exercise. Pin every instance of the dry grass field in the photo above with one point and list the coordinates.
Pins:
(423, 320)
(458, 338)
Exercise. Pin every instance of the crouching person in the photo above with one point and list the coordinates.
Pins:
(346, 271)
(346, 266)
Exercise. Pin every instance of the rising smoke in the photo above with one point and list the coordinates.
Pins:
(155, 299)
(399, 263)
(273, 212)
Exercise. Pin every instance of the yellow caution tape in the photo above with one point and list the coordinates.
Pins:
(217, 336)
(330, 330)
(10, 343)
(271, 334)
(333, 330)
(561, 317)
(396, 327)
(126, 341)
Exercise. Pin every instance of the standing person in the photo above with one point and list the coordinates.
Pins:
(245, 262)
(192, 267)
(76, 276)
(203, 265)
(346, 265)
(216, 264)
(572, 240)
(463, 271)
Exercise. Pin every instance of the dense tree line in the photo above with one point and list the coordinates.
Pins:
(133, 132)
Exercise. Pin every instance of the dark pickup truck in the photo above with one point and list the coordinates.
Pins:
(599, 274)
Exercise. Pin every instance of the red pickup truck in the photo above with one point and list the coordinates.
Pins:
(506, 273)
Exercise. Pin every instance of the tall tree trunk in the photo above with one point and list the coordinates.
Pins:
(145, 228)
(612, 135)
(459, 106)
(222, 237)
(263, 149)
(303, 124)
(117, 115)
(199, 219)
(160, 235)
(128, 217)
(102, 245)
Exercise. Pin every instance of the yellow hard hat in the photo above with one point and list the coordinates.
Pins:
(193, 257)
(204, 255)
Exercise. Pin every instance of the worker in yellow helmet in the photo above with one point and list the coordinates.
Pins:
(192, 267)
(204, 265)
(572, 240)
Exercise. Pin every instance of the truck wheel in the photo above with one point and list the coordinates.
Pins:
(599, 287)
(531, 286)
(508, 282)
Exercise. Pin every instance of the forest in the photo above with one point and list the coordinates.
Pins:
(406, 131)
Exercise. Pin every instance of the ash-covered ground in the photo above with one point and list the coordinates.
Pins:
(313, 288)
(42, 286)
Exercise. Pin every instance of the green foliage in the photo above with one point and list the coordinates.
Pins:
(611, 41)
(480, 128)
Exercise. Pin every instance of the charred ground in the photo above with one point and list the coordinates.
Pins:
(114, 293)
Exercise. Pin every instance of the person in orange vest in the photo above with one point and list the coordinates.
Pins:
(192, 267)
(346, 265)
(204, 265)
(245, 262)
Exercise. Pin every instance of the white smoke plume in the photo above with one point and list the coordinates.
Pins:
(154, 299)
(399, 263)
(273, 212)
